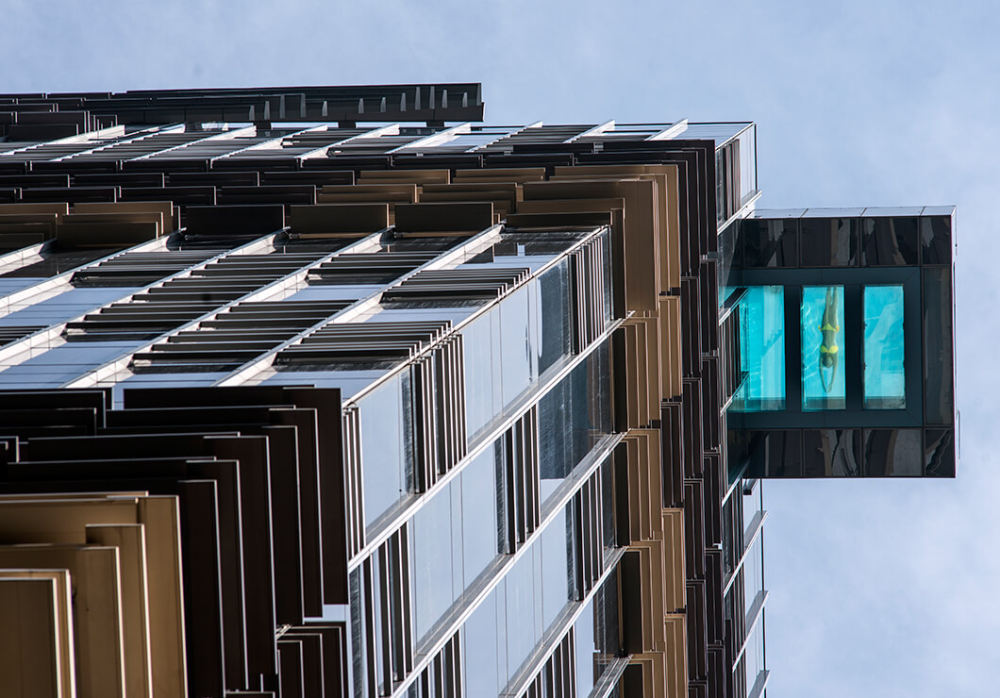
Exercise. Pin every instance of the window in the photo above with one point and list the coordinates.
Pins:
(762, 349)
(572, 418)
(454, 538)
(823, 362)
(386, 447)
(885, 377)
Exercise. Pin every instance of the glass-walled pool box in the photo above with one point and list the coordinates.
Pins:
(846, 344)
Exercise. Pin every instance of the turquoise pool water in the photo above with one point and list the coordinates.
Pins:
(762, 349)
(823, 352)
(822, 321)
(885, 374)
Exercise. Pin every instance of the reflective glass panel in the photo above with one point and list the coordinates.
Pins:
(939, 453)
(479, 515)
(935, 239)
(770, 243)
(555, 568)
(596, 636)
(762, 349)
(608, 534)
(8, 286)
(831, 452)
(386, 451)
(553, 315)
(524, 623)
(482, 377)
(572, 418)
(892, 452)
(822, 322)
(509, 346)
(503, 632)
(517, 342)
(454, 538)
(889, 240)
(939, 346)
(885, 377)
(828, 242)
(433, 590)
(583, 631)
(485, 658)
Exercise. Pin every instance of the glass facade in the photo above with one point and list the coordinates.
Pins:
(521, 495)
(454, 538)
(440, 410)
(874, 347)
(527, 606)
(457, 536)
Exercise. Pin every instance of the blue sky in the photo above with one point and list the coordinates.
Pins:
(877, 588)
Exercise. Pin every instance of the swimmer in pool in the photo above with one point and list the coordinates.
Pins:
(828, 358)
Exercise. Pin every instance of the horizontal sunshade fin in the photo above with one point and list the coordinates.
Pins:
(364, 342)
(457, 284)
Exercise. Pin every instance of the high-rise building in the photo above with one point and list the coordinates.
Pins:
(334, 391)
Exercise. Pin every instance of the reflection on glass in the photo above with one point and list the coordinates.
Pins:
(770, 243)
(519, 365)
(433, 562)
(608, 535)
(885, 377)
(828, 242)
(454, 538)
(503, 350)
(939, 453)
(892, 452)
(555, 567)
(553, 314)
(583, 632)
(938, 346)
(523, 587)
(479, 516)
(512, 344)
(822, 321)
(572, 418)
(935, 239)
(485, 658)
(762, 349)
(596, 636)
(889, 240)
(482, 379)
(831, 452)
(502, 633)
(387, 452)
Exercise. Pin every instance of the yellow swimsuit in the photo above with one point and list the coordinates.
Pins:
(823, 348)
